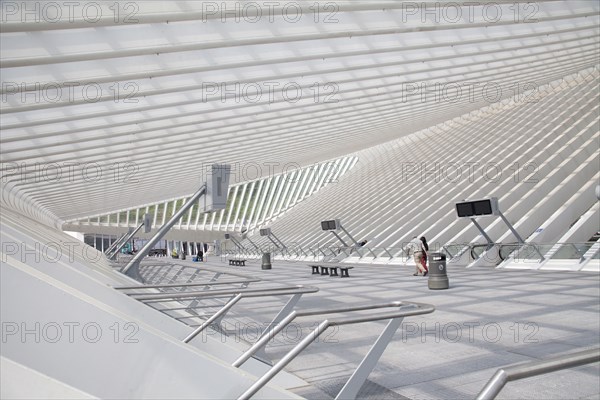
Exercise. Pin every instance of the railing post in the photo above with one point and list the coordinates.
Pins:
(264, 339)
(494, 386)
(534, 368)
(447, 251)
(275, 369)
(360, 375)
(388, 253)
(214, 317)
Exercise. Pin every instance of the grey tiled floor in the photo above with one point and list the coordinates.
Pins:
(486, 320)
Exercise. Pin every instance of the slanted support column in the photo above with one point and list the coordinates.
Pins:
(279, 241)
(358, 246)
(272, 241)
(512, 229)
(130, 236)
(482, 231)
(253, 244)
(235, 242)
(519, 238)
(115, 243)
(215, 190)
(238, 244)
(131, 269)
(339, 238)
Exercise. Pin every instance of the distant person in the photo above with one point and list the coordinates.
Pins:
(174, 254)
(415, 246)
(200, 255)
(425, 250)
(356, 245)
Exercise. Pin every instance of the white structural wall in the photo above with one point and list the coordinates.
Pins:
(65, 327)
(539, 156)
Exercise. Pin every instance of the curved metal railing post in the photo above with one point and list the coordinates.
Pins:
(361, 373)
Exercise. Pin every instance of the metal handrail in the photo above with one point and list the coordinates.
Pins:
(270, 334)
(331, 250)
(217, 271)
(227, 292)
(175, 285)
(242, 293)
(353, 385)
(501, 247)
(516, 372)
(206, 268)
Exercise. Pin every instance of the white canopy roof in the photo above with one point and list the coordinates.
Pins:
(102, 110)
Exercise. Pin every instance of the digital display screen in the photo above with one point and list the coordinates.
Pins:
(464, 209)
(483, 207)
(328, 225)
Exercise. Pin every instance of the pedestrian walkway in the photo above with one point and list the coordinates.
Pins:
(486, 320)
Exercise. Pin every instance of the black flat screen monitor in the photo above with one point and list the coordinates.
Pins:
(328, 225)
(483, 207)
(464, 209)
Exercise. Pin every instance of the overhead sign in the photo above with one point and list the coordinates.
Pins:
(217, 187)
(147, 223)
(330, 225)
(477, 208)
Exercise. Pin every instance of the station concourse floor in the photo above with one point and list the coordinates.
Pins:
(486, 320)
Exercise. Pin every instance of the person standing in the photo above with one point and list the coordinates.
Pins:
(425, 251)
(416, 247)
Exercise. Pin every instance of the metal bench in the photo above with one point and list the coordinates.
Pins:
(237, 261)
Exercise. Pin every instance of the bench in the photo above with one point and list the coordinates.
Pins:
(237, 261)
(343, 271)
(331, 270)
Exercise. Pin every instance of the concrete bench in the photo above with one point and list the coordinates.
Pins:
(237, 261)
(331, 270)
(343, 271)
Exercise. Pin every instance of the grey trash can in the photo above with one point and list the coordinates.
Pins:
(438, 278)
(266, 261)
(183, 255)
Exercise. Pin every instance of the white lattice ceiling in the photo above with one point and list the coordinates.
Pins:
(99, 115)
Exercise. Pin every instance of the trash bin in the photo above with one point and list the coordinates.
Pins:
(438, 279)
(183, 255)
(266, 261)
